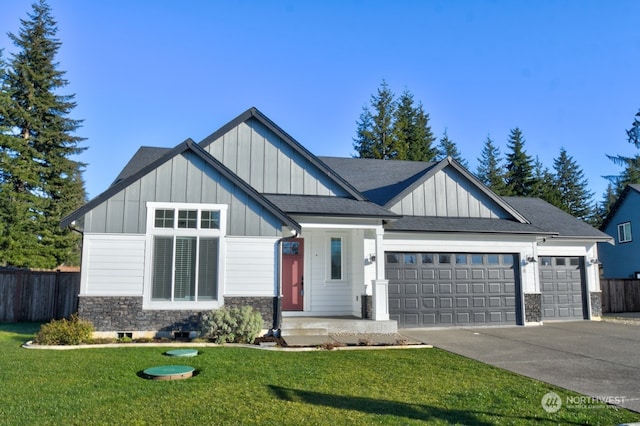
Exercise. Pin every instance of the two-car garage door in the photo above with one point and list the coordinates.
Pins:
(467, 289)
(449, 289)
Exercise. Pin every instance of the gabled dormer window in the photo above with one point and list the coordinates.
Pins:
(624, 232)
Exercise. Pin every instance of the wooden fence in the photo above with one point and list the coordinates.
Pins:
(38, 296)
(621, 295)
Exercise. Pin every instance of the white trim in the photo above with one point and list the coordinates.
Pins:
(151, 232)
(343, 248)
(336, 226)
(622, 227)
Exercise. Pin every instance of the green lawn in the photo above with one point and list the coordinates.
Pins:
(248, 386)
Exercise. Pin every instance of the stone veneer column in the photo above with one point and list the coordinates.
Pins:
(532, 307)
(596, 304)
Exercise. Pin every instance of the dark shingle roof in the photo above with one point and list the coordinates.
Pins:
(143, 157)
(378, 180)
(329, 206)
(551, 219)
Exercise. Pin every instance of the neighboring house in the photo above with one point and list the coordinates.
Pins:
(248, 216)
(622, 259)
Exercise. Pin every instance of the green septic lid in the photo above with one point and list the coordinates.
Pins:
(182, 352)
(169, 372)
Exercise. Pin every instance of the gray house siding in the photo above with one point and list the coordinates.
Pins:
(621, 260)
(449, 194)
(185, 178)
(269, 164)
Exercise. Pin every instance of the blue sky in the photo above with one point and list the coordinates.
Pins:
(157, 72)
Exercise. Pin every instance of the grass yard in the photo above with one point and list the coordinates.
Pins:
(247, 386)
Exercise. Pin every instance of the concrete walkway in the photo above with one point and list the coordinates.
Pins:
(598, 359)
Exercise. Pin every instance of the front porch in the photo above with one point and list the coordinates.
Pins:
(323, 326)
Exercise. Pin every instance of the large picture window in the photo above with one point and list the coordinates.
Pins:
(624, 232)
(185, 244)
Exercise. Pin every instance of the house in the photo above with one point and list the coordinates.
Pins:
(621, 259)
(248, 216)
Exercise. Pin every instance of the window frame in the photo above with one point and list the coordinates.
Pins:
(176, 232)
(622, 231)
(343, 250)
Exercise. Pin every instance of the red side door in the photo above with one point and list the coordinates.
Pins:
(292, 274)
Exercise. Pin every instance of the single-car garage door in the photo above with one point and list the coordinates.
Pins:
(452, 289)
(562, 286)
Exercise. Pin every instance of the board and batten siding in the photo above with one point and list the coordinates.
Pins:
(115, 266)
(250, 267)
(185, 178)
(448, 194)
(269, 164)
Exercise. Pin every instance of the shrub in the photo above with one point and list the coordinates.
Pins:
(73, 331)
(238, 325)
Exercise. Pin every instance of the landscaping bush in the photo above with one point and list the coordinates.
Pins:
(73, 331)
(231, 325)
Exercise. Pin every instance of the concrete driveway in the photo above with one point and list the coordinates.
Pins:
(598, 359)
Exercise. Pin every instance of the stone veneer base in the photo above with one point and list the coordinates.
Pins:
(125, 314)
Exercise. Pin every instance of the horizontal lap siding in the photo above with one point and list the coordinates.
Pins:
(250, 267)
(115, 266)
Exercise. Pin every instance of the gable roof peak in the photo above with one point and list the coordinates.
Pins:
(255, 113)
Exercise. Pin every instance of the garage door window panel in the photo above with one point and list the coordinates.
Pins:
(454, 288)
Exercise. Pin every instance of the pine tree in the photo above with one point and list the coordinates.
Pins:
(448, 148)
(573, 187)
(40, 182)
(374, 137)
(490, 170)
(519, 175)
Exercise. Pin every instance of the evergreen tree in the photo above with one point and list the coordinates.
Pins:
(519, 175)
(604, 207)
(490, 170)
(631, 164)
(573, 187)
(374, 137)
(413, 136)
(393, 130)
(543, 184)
(448, 148)
(40, 181)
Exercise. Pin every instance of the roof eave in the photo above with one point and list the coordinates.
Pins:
(451, 162)
(188, 144)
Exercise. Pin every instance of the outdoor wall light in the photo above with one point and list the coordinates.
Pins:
(531, 259)
(595, 261)
(372, 257)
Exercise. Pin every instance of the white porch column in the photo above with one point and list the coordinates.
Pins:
(380, 285)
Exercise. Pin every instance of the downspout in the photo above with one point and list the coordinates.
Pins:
(277, 306)
(73, 228)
